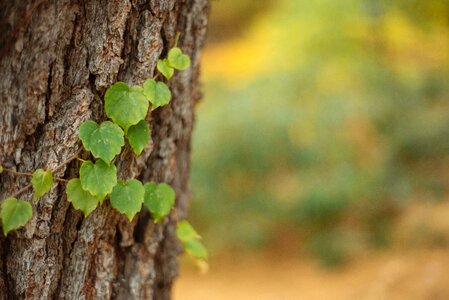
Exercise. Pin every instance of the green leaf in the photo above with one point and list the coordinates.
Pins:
(15, 214)
(105, 141)
(125, 106)
(157, 93)
(195, 248)
(185, 231)
(1, 169)
(178, 60)
(164, 67)
(42, 182)
(80, 198)
(138, 136)
(98, 179)
(159, 199)
(190, 240)
(127, 197)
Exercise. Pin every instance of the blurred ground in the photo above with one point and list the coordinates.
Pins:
(414, 268)
(422, 274)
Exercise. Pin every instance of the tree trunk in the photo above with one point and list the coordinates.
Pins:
(57, 58)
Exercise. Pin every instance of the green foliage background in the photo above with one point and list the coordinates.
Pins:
(322, 123)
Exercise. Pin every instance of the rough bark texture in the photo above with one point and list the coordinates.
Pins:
(57, 58)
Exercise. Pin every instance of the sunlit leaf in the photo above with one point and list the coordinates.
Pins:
(14, 214)
(165, 69)
(159, 199)
(80, 198)
(157, 93)
(105, 141)
(178, 60)
(138, 136)
(195, 248)
(99, 178)
(42, 182)
(185, 231)
(127, 197)
(125, 106)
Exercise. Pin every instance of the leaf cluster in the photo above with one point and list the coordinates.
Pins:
(127, 108)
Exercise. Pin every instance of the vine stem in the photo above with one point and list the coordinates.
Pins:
(24, 189)
(156, 77)
(178, 34)
(31, 175)
(62, 180)
(28, 186)
(72, 157)
(17, 173)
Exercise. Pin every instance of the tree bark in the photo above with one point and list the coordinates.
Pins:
(57, 58)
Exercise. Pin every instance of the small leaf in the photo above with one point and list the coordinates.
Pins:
(80, 198)
(159, 199)
(105, 141)
(177, 59)
(190, 240)
(42, 182)
(195, 248)
(157, 93)
(138, 136)
(125, 106)
(127, 197)
(185, 231)
(98, 179)
(1, 169)
(14, 214)
(164, 68)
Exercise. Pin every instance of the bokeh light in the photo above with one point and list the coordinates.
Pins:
(321, 151)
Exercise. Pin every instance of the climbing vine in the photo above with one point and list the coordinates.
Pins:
(127, 108)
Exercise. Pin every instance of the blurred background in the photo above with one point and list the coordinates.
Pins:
(321, 151)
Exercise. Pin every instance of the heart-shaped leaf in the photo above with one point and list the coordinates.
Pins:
(127, 197)
(105, 141)
(14, 214)
(125, 106)
(195, 248)
(80, 198)
(42, 182)
(178, 60)
(164, 67)
(159, 199)
(138, 136)
(185, 231)
(157, 93)
(98, 179)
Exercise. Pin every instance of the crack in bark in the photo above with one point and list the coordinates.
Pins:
(6, 284)
(48, 94)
